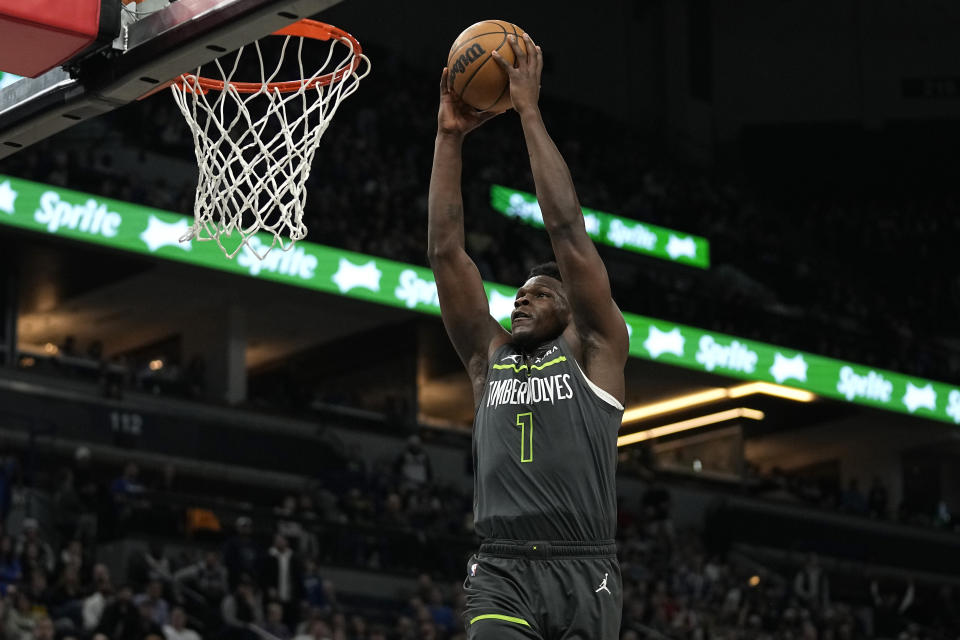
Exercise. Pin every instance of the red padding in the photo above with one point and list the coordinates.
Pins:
(38, 35)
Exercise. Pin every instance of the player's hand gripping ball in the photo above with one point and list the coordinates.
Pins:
(476, 78)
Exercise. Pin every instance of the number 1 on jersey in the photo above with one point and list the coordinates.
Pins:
(525, 422)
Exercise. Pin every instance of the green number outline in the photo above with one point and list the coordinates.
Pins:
(526, 451)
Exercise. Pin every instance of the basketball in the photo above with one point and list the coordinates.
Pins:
(474, 74)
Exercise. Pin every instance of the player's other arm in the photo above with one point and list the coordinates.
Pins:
(597, 318)
(463, 301)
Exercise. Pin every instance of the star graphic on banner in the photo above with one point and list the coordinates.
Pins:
(659, 342)
(917, 397)
(163, 234)
(349, 276)
(7, 197)
(784, 367)
(685, 246)
(953, 406)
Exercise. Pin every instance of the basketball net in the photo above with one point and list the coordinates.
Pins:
(255, 141)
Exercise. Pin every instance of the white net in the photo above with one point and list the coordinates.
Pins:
(255, 142)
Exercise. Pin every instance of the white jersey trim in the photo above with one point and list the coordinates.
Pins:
(600, 393)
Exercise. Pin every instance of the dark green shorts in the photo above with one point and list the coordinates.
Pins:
(543, 591)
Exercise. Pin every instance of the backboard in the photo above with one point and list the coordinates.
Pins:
(148, 53)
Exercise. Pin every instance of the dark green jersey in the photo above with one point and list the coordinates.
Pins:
(544, 450)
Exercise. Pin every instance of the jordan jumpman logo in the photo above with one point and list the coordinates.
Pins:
(603, 585)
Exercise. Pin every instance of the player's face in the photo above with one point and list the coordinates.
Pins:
(540, 311)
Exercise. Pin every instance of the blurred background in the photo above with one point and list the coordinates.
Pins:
(224, 449)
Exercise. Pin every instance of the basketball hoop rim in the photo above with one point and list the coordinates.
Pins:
(306, 28)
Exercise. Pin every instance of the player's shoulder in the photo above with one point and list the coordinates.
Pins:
(500, 343)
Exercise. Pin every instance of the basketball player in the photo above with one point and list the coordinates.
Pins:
(549, 398)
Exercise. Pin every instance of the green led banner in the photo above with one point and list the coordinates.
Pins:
(622, 233)
(140, 229)
(153, 232)
(731, 356)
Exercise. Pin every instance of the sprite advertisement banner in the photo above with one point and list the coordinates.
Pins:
(152, 232)
(622, 233)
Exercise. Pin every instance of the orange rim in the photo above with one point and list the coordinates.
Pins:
(303, 29)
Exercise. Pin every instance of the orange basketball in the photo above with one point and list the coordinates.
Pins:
(475, 75)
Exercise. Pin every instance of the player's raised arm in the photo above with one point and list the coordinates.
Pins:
(463, 301)
(597, 318)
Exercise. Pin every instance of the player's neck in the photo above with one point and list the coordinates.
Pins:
(536, 348)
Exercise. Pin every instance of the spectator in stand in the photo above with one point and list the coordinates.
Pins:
(10, 570)
(889, 608)
(20, 618)
(66, 599)
(39, 590)
(123, 491)
(274, 624)
(34, 552)
(313, 591)
(942, 516)
(282, 576)
(9, 468)
(358, 507)
(318, 630)
(95, 604)
(811, 586)
(289, 525)
(72, 557)
(177, 629)
(242, 608)
(194, 377)
(33, 561)
(128, 483)
(358, 628)
(241, 555)
(412, 466)
(853, 500)
(44, 629)
(207, 577)
(877, 499)
(378, 633)
(152, 600)
(68, 506)
(149, 565)
(656, 512)
(394, 514)
(93, 495)
(147, 628)
(440, 613)
(123, 620)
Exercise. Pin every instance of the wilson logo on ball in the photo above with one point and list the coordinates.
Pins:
(465, 59)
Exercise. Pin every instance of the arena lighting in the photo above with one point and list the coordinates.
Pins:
(674, 404)
(692, 423)
(713, 395)
(770, 389)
